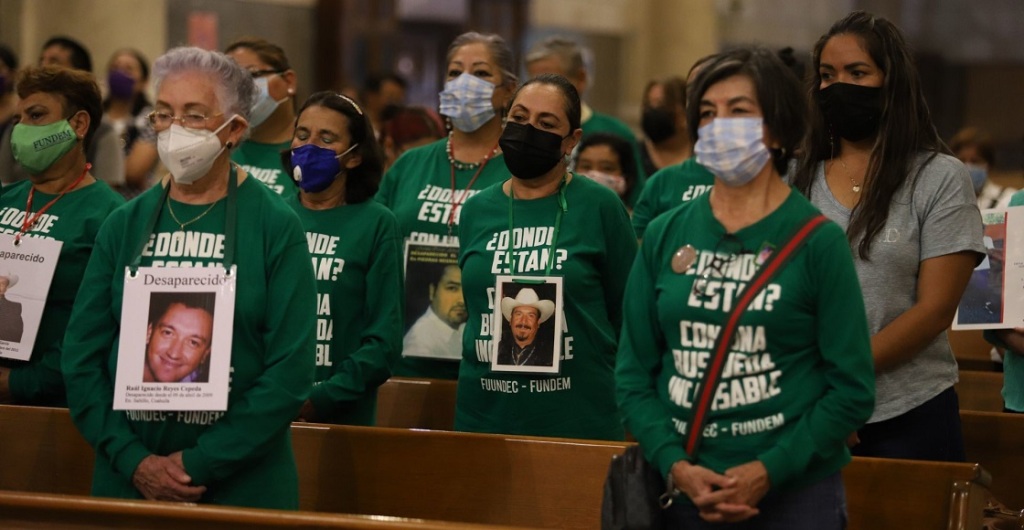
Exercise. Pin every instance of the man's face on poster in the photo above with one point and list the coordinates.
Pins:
(446, 298)
(525, 323)
(5, 282)
(178, 343)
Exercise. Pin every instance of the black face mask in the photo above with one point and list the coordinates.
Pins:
(854, 112)
(658, 123)
(529, 151)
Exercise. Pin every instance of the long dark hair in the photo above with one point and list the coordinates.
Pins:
(363, 180)
(906, 127)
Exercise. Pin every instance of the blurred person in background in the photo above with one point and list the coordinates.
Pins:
(608, 159)
(382, 95)
(666, 142)
(973, 146)
(407, 127)
(127, 109)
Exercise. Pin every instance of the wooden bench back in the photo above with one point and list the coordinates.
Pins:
(971, 350)
(416, 404)
(887, 493)
(512, 480)
(72, 512)
(489, 479)
(996, 441)
(980, 391)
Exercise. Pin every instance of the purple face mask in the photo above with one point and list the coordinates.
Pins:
(121, 85)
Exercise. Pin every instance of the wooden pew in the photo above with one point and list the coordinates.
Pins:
(42, 451)
(416, 404)
(478, 478)
(996, 441)
(887, 493)
(980, 391)
(35, 511)
(971, 350)
(488, 479)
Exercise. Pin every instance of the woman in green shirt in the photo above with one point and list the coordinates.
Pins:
(354, 241)
(273, 114)
(798, 378)
(544, 224)
(241, 456)
(427, 186)
(53, 102)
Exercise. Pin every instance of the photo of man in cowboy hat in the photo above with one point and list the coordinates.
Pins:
(521, 344)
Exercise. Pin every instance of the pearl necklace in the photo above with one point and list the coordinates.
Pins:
(465, 165)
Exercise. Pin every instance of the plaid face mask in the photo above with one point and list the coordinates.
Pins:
(466, 100)
(733, 149)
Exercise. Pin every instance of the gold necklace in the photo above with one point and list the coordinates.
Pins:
(856, 187)
(194, 219)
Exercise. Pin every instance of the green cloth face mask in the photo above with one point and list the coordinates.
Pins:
(37, 147)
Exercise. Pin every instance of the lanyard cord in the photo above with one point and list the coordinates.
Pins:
(27, 224)
(456, 203)
(563, 207)
(230, 223)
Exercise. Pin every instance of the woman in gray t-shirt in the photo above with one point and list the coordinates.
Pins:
(875, 164)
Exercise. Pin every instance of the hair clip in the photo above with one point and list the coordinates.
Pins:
(353, 103)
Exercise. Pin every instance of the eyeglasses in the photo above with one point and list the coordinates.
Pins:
(191, 120)
(260, 73)
(726, 251)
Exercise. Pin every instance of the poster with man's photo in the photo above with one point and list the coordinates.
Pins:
(435, 311)
(994, 298)
(26, 270)
(175, 347)
(528, 325)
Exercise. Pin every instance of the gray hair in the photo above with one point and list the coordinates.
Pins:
(236, 91)
(572, 56)
(500, 51)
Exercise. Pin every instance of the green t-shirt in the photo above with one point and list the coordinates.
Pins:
(263, 161)
(668, 188)
(603, 123)
(358, 266)
(244, 455)
(74, 219)
(595, 247)
(799, 377)
(418, 189)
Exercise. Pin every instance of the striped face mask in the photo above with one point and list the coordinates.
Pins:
(732, 149)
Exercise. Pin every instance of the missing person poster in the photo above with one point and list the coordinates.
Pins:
(994, 298)
(26, 271)
(435, 311)
(175, 347)
(528, 337)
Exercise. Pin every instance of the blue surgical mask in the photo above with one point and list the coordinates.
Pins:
(732, 149)
(466, 100)
(264, 105)
(314, 168)
(978, 176)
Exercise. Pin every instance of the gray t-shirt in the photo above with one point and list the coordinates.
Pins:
(932, 215)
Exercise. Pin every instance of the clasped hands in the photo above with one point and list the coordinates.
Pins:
(163, 478)
(723, 498)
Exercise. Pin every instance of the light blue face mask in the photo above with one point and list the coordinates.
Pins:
(732, 149)
(265, 105)
(978, 176)
(466, 100)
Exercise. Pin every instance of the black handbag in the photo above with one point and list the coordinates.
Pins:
(635, 493)
(631, 493)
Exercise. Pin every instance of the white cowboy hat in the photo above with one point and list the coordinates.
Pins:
(527, 297)
(12, 279)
